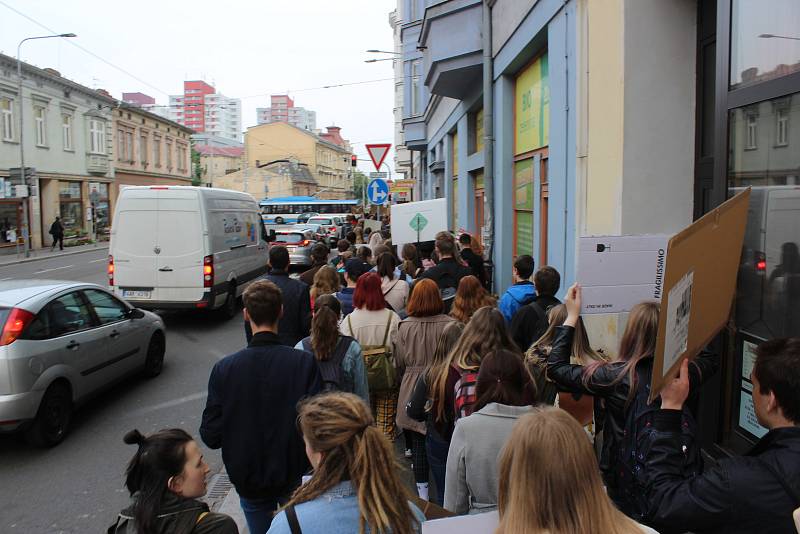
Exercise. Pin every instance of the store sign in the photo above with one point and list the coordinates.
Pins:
(532, 107)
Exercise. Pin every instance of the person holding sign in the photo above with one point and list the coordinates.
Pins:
(624, 385)
(752, 493)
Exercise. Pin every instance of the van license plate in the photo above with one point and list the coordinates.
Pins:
(135, 293)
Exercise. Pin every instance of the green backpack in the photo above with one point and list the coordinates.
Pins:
(381, 374)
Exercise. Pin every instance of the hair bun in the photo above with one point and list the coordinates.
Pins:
(134, 437)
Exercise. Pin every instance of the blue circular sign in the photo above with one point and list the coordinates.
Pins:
(378, 191)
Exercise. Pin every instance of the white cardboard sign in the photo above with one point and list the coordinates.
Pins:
(463, 524)
(430, 215)
(617, 272)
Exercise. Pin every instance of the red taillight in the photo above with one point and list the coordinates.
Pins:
(208, 271)
(111, 270)
(761, 266)
(17, 321)
(305, 243)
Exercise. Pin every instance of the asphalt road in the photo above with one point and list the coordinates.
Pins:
(78, 486)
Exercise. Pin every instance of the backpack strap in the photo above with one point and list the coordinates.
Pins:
(780, 478)
(350, 326)
(291, 518)
(388, 326)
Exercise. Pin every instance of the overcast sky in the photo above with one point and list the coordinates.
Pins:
(247, 49)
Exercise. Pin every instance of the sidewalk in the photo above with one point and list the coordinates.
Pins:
(46, 253)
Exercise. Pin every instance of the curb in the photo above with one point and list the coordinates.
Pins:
(60, 255)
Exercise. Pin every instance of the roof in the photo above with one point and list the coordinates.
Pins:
(307, 132)
(229, 151)
(296, 171)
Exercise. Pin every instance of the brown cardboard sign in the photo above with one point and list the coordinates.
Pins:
(699, 284)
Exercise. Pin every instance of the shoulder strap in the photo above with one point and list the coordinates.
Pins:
(388, 290)
(388, 326)
(350, 326)
(780, 478)
(291, 518)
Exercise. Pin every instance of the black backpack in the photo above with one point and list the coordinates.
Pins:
(331, 369)
(631, 480)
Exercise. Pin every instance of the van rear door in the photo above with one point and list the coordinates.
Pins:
(181, 237)
(133, 244)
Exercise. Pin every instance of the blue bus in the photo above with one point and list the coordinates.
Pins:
(286, 210)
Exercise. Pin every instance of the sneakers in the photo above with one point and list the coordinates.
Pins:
(408, 453)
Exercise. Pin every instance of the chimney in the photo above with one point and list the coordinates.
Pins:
(54, 72)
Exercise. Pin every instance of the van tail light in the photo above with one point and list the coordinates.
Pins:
(761, 262)
(16, 323)
(111, 270)
(208, 271)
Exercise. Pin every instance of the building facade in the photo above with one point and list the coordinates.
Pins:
(205, 111)
(68, 140)
(149, 150)
(275, 179)
(402, 156)
(282, 109)
(218, 161)
(327, 155)
(617, 118)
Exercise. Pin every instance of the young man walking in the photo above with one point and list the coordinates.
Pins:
(530, 322)
(251, 410)
(522, 292)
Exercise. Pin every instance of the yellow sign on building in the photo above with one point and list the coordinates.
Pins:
(532, 107)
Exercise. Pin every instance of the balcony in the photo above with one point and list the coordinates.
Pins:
(97, 163)
(451, 40)
(414, 133)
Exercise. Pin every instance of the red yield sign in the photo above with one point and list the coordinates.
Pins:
(378, 153)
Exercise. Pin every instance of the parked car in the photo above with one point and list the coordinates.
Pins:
(332, 227)
(299, 243)
(185, 247)
(61, 343)
(304, 217)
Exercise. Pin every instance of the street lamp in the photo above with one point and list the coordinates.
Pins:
(772, 36)
(23, 174)
(373, 51)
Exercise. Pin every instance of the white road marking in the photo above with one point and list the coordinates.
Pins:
(169, 404)
(9, 278)
(97, 261)
(55, 269)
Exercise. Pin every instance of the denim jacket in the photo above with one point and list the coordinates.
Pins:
(334, 512)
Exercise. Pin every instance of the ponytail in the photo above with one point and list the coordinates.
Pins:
(341, 426)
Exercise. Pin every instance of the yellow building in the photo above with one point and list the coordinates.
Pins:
(282, 178)
(327, 155)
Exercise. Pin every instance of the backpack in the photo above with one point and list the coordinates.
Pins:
(381, 374)
(637, 438)
(466, 393)
(331, 369)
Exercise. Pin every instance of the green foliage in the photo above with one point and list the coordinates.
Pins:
(197, 171)
(360, 181)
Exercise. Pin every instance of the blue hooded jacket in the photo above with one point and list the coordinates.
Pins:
(515, 297)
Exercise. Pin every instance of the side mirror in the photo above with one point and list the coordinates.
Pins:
(135, 313)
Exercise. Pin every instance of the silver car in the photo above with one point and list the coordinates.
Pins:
(298, 243)
(60, 343)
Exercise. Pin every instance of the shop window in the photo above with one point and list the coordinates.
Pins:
(10, 221)
(769, 277)
(7, 119)
(98, 196)
(71, 208)
(476, 131)
(523, 207)
(765, 43)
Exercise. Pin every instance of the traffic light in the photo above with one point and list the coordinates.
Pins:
(353, 160)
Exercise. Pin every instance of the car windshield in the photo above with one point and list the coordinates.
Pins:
(289, 238)
(317, 220)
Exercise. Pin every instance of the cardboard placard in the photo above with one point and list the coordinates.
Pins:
(463, 524)
(699, 284)
(418, 220)
(373, 225)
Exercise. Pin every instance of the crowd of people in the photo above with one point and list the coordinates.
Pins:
(501, 405)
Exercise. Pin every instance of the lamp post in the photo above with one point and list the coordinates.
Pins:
(23, 174)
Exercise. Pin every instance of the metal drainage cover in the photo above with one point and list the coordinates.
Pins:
(219, 489)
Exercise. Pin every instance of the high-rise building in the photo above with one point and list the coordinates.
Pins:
(282, 109)
(204, 110)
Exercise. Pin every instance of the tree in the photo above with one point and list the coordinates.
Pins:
(197, 170)
(360, 181)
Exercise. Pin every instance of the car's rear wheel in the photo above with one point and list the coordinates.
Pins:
(229, 309)
(154, 362)
(52, 420)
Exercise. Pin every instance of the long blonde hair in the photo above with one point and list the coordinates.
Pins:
(582, 352)
(549, 481)
(340, 426)
(326, 282)
(486, 332)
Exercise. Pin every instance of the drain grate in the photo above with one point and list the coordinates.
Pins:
(220, 486)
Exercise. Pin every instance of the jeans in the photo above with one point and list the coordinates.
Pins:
(437, 459)
(258, 513)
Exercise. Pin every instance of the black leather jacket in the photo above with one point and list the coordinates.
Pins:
(178, 515)
(569, 377)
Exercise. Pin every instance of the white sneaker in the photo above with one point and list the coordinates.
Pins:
(408, 453)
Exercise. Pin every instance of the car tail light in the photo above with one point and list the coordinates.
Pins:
(208, 271)
(16, 323)
(111, 270)
(305, 243)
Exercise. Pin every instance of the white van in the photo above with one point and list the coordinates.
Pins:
(185, 247)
